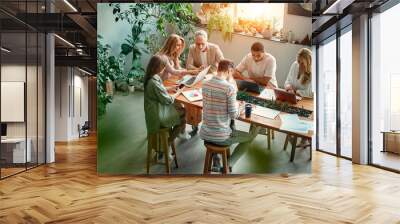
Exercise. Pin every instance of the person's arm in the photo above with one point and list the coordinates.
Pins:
(270, 73)
(218, 57)
(177, 64)
(232, 81)
(238, 75)
(261, 81)
(306, 92)
(290, 78)
(190, 60)
(233, 109)
(240, 69)
(161, 93)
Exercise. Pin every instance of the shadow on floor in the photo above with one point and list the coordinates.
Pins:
(122, 146)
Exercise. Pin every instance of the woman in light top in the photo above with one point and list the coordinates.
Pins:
(298, 80)
(171, 51)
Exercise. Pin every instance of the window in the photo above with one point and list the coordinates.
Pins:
(327, 96)
(258, 12)
(246, 18)
(346, 93)
(385, 85)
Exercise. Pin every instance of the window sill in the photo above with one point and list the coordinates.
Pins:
(257, 36)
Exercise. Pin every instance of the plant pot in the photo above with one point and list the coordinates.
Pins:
(109, 87)
(267, 34)
(131, 89)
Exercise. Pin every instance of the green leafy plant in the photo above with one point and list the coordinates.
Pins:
(108, 68)
(223, 23)
(273, 104)
(141, 16)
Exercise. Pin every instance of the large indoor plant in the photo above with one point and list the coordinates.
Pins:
(108, 68)
(144, 37)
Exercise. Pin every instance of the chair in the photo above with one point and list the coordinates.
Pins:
(160, 142)
(293, 142)
(211, 149)
(84, 130)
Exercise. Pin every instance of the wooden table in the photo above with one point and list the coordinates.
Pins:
(194, 115)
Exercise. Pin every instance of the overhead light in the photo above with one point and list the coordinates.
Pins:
(70, 5)
(64, 40)
(84, 71)
(5, 50)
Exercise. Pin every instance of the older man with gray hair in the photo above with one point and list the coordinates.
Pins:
(203, 53)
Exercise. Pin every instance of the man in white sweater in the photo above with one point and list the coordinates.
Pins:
(260, 67)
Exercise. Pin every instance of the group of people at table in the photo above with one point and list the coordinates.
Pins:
(220, 107)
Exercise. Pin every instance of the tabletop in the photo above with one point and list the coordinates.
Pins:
(274, 124)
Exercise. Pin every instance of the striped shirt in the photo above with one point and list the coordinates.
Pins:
(219, 107)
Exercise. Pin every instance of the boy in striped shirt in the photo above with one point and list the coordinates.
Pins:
(219, 108)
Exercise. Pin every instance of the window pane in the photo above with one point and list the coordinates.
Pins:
(327, 97)
(14, 153)
(346, 94)
(385, 86)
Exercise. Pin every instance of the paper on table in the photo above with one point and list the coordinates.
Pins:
(193, 95)
(291, 122)
(268, 94)
(265, 112)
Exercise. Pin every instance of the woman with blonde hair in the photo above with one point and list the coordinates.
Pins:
(171, 51)
(298, 80)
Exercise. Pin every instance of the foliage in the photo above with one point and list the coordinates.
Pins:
(108, 68)
(141, 17)
(224, 23)
(273, 104)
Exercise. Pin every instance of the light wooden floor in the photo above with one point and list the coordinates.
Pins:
(70, 191)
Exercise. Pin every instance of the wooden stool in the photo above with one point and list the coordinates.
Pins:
(157, 141)
(211, 149)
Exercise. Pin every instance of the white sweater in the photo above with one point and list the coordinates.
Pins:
(302, 90)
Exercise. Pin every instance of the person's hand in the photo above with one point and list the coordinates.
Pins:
(194, 71)
(178, 92)
(172, 88)
(241, 106)
(202, 67)
(289, 87)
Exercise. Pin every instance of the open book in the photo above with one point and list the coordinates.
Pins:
(190, 80)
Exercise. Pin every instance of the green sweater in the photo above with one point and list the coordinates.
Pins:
(159, 106)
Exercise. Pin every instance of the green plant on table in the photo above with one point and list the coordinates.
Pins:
(273, 104)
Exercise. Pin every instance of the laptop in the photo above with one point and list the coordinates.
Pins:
(284, 95)
(190, 80)
(244, 85)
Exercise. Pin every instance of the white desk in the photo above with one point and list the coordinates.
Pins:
(18, 149)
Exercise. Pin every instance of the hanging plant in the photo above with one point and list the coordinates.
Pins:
(223, 23)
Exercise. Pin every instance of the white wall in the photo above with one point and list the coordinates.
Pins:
(285, 53)
(68, 83)
(301, 26)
